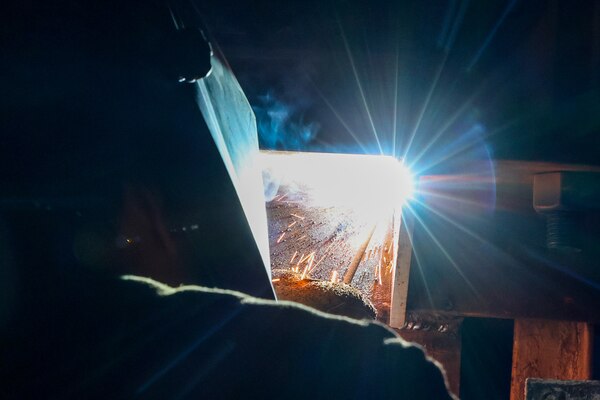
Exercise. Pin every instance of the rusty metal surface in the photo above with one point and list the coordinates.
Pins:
(542, 389)
(471, 260)
(321, 243)
(334, 298)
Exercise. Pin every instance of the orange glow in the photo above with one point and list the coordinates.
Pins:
(304, 258)
(326, 203)
(308, 265)
(334, 276)
(281, 237)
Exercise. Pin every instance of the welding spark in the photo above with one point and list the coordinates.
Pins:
(281, 237)
(334, 276)
(321, 259)
(304, 258)
(311, 260)
(331, 180)
(308, 267)
(327, 252)
(347, 194)
(304, 272)
(275, 280)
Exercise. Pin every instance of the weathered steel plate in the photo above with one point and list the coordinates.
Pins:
(542, 389)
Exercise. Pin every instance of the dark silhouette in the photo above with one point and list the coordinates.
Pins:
(103, 152)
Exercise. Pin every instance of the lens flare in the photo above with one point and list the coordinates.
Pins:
(372, 186)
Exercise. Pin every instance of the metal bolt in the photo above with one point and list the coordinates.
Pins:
(560, 231)
(562, 197)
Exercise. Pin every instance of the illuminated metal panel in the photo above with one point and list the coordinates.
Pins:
(336, 217)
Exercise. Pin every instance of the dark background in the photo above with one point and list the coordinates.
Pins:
(520, 78)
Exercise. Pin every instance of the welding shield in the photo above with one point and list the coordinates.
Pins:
(91, 122)
(232, 124)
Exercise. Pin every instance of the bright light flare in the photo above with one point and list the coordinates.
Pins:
(405, 188)
(373, 187)
(334, 276)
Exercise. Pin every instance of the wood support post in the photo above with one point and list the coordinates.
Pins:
(550, 350)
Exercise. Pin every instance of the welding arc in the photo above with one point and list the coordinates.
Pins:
(357, 257)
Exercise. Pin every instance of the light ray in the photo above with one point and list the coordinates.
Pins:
(557, 266)
(451, 198)
(421, 273)
(456, 25)
(395, 120)
(444, 251)
(452, 222)
(360, 88)
(444, 128)
(491, 35)
(467, 146)
(446, 23)
(425, 104)
(339, 117)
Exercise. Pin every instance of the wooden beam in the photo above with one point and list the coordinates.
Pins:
(550, 350)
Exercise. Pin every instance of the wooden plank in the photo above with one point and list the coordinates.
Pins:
(550, 350)
(402, 272)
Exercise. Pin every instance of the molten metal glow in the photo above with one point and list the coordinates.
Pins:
(334, 276)
(293, 257)
(372, 186)
(281, 237)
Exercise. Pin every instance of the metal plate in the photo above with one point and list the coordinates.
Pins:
(541, 389)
